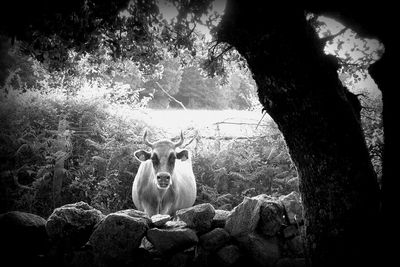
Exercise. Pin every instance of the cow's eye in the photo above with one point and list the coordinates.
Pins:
(171, 158)
(154, 158)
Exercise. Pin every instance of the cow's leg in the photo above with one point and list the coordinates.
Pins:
(168, 203)
(166, 208)
(150, 209)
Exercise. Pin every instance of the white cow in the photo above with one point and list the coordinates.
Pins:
(165, 181)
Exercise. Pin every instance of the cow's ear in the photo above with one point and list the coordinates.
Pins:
(142, 155)
(182, 155)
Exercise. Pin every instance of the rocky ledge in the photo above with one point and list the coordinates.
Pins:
(260, 231)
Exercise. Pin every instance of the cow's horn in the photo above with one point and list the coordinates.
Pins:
(180, 142)
(147, 141)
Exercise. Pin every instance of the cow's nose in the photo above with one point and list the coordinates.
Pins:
(163, 176)
(163, 179)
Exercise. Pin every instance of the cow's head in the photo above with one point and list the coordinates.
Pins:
(162, 155)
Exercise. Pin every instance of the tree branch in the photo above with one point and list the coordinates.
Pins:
(222, 53)
(333, 36)
(170, 96)
(258, 124)
(194, 137)
(240, 123)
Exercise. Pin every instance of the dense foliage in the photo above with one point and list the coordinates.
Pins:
(95, 147)
(69, 135)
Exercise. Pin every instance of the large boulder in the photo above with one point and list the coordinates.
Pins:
(23, 238)
(172, 239)
(71, 225)
(118, 236)
(214, 239)
(293, 207)
(244, 218)
(198, 217)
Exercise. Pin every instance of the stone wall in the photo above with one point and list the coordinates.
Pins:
(260, 231)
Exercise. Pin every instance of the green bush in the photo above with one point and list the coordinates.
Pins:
(244, 167)
(95, 146)
(77, 139)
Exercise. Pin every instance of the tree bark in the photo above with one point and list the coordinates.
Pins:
(299, 87)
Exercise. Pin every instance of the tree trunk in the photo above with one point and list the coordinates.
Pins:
(319, 118)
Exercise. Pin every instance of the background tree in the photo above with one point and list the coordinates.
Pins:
(198, 92)
(169, 79)
(240, 92)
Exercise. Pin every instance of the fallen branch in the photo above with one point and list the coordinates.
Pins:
(170, 96)
(258, 124)
(240, 123)
(194, 137)
(232, 137)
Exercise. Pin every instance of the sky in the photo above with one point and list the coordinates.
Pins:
(169, 12)
(356, 48)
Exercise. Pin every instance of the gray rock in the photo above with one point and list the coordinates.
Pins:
(214, 239)
(293, 206)
(244, 217)
(271, 218)
(23, 238)
(117, 237)
(174, 224)
(220, 218)
(228, 255)
(198, 217)
(172, 240)
(71, 225)
(265, 252)
(159, 220)
(145, 244)
(134, 213)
